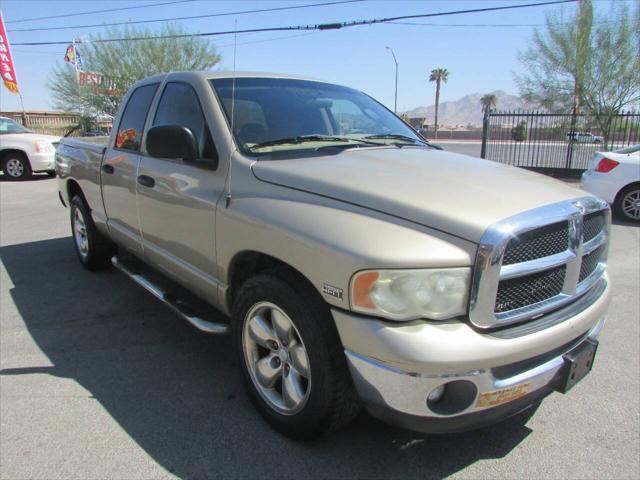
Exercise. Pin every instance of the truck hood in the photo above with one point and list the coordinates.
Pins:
(454, 193)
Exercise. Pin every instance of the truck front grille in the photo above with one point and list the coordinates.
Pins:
(590, 262)
(542, 242)
(523, 291)
(538, 261)
(593, 225)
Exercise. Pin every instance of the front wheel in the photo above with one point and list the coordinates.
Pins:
(16, 167)
(94, 249)
(292, 360)
(627, 204)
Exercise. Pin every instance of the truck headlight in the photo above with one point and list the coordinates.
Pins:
(437, 294)
(44, 147)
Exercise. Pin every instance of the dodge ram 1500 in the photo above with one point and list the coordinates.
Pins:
(354, 264)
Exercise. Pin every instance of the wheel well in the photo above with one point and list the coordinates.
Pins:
(73, 189)
(5, 153)
(248, 264)
(632, 184)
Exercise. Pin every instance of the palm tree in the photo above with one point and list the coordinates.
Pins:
(438, 75)
(488, 102)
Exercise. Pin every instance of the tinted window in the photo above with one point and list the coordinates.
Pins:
(179, 105)
(135, 113)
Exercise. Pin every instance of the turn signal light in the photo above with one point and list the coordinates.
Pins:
(605, 165)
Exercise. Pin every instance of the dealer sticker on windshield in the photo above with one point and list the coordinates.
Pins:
(504, 395)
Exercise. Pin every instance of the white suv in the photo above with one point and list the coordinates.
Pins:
(23, 152)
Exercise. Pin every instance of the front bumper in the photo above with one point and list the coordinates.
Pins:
(41, 162)
(396, 366)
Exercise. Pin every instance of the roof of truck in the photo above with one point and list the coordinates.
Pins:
(244, 74)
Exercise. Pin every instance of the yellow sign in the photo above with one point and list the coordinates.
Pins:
(504, 395)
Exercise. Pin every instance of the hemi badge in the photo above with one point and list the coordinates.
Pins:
(333, 291)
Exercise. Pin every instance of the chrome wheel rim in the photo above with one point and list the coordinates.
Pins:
(80, 233)
(631, 204)
(276, 358)
(14, 167)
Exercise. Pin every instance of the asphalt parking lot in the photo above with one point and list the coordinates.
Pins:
(98, 380)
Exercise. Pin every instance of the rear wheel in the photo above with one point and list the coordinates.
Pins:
(292, 359)
(627, 204)
(16, 167)
(94, 249)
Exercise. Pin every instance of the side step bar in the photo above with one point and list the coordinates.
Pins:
(172, 302)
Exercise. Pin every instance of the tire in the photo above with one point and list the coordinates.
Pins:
(326, 398)
(16, 166)
(94, 249)
(627, 203)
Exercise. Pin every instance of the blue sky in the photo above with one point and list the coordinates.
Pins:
(479, 59)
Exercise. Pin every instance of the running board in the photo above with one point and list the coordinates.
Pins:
(175, 304)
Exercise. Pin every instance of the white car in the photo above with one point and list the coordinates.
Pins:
(615, 177)
(23, 152)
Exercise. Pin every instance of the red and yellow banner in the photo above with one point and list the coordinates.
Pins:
(7, 70)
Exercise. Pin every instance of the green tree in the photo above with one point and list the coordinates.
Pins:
(520, 132)
(488, 102)
(438, 75)
(578, 64)
(124, 62)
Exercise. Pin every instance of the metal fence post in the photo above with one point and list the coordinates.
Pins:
(485, 133)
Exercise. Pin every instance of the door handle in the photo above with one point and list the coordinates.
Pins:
(106, 168)
(146, 181)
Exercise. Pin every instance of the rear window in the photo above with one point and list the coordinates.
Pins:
(135, 113)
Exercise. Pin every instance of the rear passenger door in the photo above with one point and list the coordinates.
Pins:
(119, 169)
(177, 212)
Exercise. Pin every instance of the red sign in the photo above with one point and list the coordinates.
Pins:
(89, 78)
(7, 71)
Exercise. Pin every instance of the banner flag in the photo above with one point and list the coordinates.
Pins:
(72, 55)
(7, 70)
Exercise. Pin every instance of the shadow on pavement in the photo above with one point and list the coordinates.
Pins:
(178, 393)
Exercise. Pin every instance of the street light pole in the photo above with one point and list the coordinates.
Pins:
(395, 102)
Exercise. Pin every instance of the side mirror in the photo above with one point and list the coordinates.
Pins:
(172, 141)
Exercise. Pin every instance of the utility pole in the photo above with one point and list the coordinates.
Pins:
(395, 102)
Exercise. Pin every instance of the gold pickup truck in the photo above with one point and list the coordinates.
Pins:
(353, 263)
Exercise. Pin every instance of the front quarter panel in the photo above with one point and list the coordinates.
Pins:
(328, 241)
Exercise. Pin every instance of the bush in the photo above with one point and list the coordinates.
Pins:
(520, 132)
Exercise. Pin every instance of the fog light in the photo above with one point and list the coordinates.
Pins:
(436, 394)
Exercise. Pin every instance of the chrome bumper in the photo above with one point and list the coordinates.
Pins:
(395, 388)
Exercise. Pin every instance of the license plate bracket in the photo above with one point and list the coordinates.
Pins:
(577, 363)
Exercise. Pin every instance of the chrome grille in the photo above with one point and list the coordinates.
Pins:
(538, 261)
(538, 243)
(593, 225)
(521, 292)
(590, 262)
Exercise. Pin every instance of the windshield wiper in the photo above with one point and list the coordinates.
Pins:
(299, 139)
(395, 136)
(309, 138)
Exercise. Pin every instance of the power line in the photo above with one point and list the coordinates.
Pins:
(98, 11)
(325, 26)
(492, 25)
(250, 42)
(192, 17)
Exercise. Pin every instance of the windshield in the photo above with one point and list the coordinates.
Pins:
(276, 116)
(10, 126)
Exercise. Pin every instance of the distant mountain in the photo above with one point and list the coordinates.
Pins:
(466, 110)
